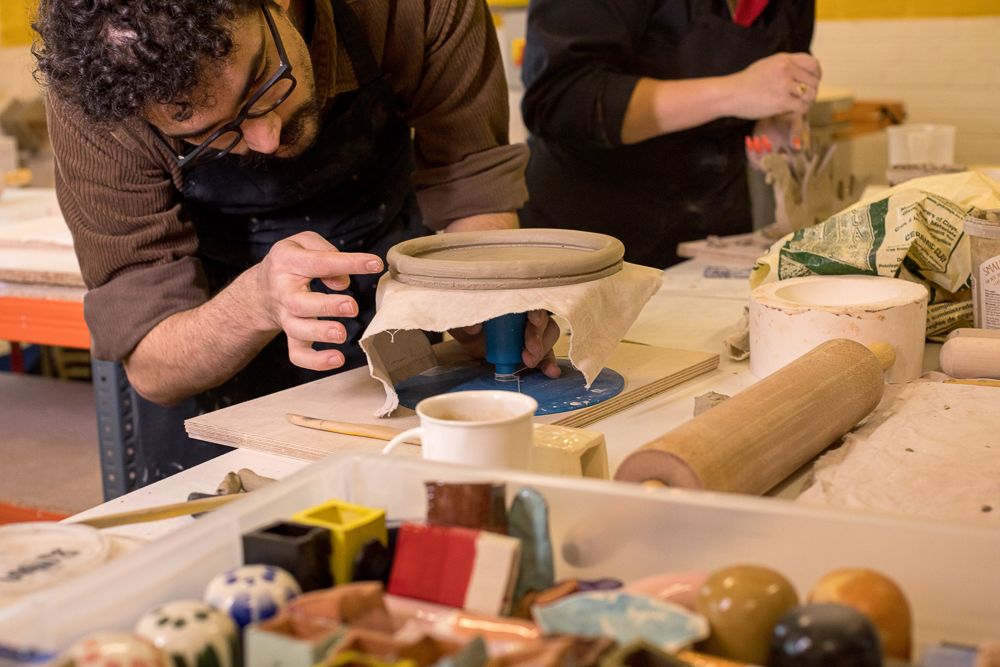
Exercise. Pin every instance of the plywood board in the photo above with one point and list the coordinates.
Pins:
(354, 396)
(35, 244)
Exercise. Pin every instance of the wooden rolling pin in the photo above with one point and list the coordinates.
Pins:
(754, 440)
(972, 353)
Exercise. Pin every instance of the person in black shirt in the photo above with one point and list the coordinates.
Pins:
(639, 111)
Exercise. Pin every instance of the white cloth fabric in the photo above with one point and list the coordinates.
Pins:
(930, 449)
(598, 313)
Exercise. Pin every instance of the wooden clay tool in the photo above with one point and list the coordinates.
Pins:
(348, 428)
(160, 512)
(754, 440)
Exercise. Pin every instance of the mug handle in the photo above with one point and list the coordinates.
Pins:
(405, 435)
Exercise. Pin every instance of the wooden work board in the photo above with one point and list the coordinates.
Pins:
(354, 396)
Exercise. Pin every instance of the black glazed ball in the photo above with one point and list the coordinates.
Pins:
(824, 635)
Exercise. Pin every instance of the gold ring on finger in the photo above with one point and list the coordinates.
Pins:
(802, 88)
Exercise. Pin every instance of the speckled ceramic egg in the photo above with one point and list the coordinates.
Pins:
(876, 596)
(824, 635)
(252, 593)
(742, 603)
(117, 649)
(192, 633)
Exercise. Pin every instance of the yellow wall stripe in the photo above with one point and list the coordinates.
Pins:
(15, 22)
(871, 9)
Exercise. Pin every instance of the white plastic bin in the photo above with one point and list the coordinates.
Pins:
(600, 528)
(921, 144)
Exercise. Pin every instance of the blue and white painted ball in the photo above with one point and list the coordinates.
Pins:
(252, 593)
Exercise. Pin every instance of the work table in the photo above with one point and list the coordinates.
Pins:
(697, 306)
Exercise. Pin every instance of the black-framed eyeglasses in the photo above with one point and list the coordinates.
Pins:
(265, 100)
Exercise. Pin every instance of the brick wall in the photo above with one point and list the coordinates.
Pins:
(945, 70)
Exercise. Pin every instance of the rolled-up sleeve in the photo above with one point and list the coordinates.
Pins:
(577, 88)
(136, 252)
(454, 96)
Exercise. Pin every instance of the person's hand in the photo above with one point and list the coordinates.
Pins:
(289, 304)
(540, 334)
(778, 84)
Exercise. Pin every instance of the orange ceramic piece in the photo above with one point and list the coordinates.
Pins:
(877, 597)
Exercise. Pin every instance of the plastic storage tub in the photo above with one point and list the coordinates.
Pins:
(600, 528)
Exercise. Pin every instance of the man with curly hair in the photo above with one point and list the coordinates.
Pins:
(227, 166)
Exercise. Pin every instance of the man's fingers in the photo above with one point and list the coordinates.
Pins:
(337, 284)
(301, 354)
(313, 330)
(466, 334)
(325, 263)
(316, 304)
(549, 367)
(539, 336)
(330, 263)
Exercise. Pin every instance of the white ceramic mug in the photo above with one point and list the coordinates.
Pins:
(486, 428)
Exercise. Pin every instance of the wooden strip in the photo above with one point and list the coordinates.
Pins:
(348, 428)
(160, 512)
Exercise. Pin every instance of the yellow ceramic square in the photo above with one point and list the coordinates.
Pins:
(351, 526)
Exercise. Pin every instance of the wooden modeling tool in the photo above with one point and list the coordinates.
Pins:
(754, 440)
(348, 428)
(160, 512)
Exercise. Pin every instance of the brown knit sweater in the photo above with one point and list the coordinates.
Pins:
(120, 191)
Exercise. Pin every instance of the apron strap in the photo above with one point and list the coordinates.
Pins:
(349, 29)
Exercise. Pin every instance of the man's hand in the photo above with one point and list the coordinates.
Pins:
(288, 304)
(540, 334)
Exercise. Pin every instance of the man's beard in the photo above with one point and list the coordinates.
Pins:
(293, 132)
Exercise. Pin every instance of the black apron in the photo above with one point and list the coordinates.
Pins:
(352, 186)
(672, 188)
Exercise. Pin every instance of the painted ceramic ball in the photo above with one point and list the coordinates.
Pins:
(192, 633)
(742, 603)
(824, 635)
(876, 596)
(117, 649)
(252, 593)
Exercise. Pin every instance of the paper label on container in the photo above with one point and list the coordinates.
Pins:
(986, 286)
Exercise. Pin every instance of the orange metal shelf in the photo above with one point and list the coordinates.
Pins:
(43, 322)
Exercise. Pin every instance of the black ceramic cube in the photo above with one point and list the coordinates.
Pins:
(374, 559)
(824, 635)
(302, 550)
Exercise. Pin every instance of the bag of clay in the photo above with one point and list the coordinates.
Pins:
(912, 231)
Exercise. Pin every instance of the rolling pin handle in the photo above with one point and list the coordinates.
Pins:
(885, 353)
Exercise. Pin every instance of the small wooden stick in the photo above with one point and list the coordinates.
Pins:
(973, 382)
(348, 428)
(160, 512)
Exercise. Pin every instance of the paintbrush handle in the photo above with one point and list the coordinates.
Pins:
(161, 512)
(348, 428)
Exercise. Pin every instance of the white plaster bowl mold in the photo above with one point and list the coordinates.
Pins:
(790, 317)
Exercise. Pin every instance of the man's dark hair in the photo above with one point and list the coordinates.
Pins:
(113, 58)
